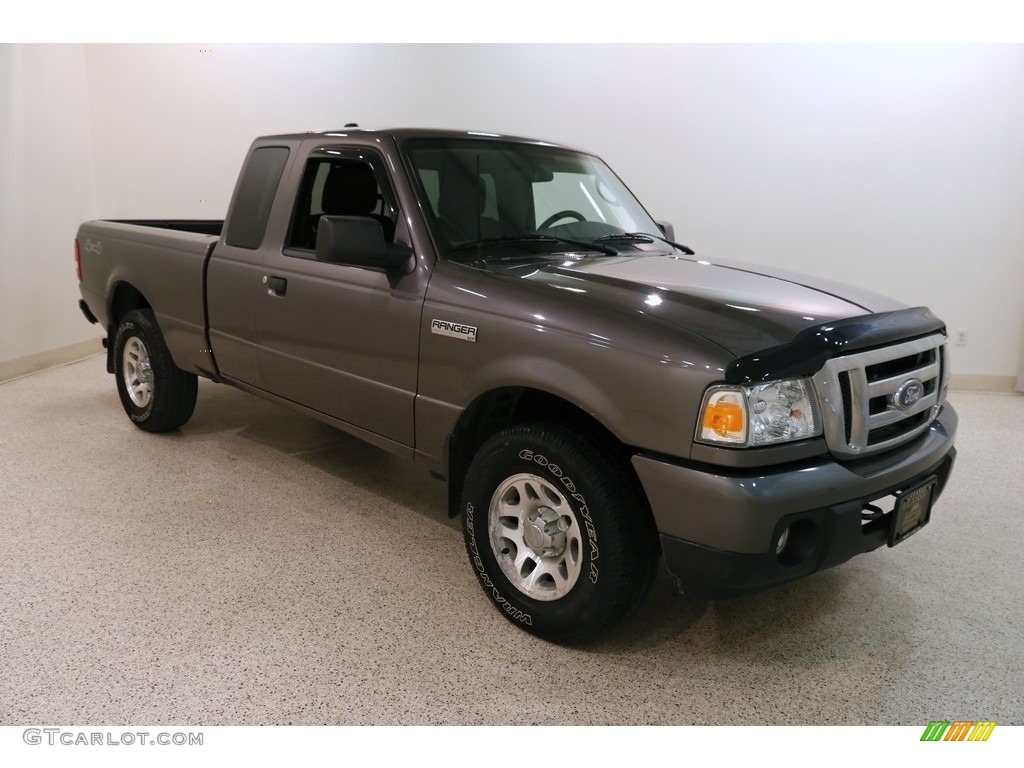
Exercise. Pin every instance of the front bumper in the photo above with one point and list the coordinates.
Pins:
(718, 527)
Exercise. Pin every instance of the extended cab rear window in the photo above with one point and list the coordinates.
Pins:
(255, 196)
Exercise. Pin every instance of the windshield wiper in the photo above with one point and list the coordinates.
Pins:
(644, 237)
(537, 238)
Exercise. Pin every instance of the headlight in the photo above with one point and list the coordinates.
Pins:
(757, 415)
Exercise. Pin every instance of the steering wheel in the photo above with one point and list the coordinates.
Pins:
(561, 215)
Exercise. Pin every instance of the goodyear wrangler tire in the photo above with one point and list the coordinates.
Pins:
(156, 394)
(559, 534)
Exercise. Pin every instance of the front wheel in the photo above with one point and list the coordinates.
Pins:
(156, 394)
(558, 532)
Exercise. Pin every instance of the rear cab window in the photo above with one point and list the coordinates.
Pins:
(255, 197)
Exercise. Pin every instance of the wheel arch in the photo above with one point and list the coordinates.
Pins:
(503, 407)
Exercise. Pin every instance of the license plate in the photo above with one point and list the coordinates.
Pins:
(913, 509)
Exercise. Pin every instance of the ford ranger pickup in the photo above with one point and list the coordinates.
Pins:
(504, 312)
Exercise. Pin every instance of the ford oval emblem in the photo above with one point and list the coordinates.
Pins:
(908, 394)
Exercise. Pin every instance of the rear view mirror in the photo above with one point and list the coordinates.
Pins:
(667, 230)
(358, 241)
(542, 173)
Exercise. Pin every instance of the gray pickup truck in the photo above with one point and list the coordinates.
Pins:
(504, 312)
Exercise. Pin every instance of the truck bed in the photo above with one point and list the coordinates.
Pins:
(159, 261)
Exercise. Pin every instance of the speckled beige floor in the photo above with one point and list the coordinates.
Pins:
(259, 567)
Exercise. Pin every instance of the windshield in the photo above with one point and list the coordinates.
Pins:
(491, 195)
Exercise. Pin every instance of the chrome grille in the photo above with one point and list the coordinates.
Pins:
(875, 400)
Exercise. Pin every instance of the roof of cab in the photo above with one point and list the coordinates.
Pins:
(419, 133)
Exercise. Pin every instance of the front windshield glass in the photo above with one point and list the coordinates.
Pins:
(487, 195)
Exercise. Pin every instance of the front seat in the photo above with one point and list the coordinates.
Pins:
(351, 190)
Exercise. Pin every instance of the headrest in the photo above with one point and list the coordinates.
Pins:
(350, 189)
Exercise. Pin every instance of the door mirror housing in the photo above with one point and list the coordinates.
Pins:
(359, 242)
(667, 229)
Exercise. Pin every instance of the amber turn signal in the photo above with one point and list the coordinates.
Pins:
(724, 417)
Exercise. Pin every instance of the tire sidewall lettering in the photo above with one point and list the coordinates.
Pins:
(588, 523)
(485, 579)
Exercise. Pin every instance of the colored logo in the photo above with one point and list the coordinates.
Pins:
(958, 730)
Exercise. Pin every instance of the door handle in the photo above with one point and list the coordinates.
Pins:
(276, 286)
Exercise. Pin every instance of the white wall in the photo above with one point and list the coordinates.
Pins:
(46, 189)
(900, 169)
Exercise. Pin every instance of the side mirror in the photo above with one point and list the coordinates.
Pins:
(358, 241)
(667, 230)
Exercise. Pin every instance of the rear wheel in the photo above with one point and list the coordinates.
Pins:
(558, 531)
(156, 394)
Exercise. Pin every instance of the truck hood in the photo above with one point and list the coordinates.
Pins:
(741, 307)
